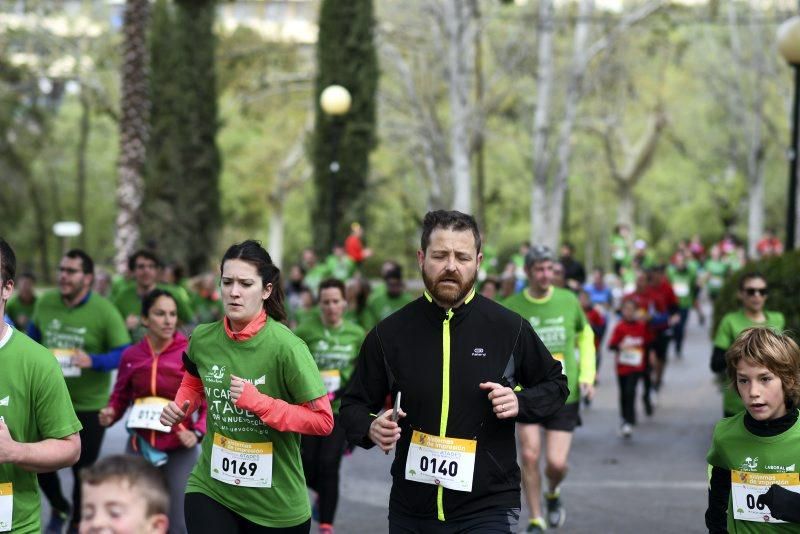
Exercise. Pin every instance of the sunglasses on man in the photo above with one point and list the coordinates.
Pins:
(752, 291)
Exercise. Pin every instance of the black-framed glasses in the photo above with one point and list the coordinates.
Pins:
(752, 291)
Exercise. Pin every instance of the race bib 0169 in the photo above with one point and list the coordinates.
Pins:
(64, 357)
(146, 412)
(746, 488)
(6, 506)
(240, 463)
(441, 461)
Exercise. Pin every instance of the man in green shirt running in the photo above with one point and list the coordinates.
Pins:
(384, 303)
(38, 427)
(334, 343)
(87, 335)
(753, 292)
(557, 317)
(145, 267)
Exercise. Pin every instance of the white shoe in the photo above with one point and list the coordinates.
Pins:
(626, 431)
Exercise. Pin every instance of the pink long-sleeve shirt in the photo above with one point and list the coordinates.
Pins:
(145, 374)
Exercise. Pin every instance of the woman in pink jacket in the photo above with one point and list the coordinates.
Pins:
(150, 373)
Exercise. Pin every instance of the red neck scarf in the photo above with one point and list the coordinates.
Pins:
(248, 331)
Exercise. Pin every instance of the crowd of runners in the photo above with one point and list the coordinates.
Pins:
(242, 390)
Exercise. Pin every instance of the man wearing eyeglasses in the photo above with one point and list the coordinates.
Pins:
(753, 296)
(87, 335)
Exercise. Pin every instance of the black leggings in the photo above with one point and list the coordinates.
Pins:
(627, 396)
(322, 456)
(204, 514)
(91, 440)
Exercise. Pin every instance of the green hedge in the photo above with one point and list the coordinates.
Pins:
(783, 278)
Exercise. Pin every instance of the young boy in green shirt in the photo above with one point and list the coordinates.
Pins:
(754, 479)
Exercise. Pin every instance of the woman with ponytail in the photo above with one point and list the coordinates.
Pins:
(263, 391)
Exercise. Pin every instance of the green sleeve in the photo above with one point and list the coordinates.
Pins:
(55, 416)
(724, 338)
(116, 333)
(714, 458)
(302, 375)
(185, 311)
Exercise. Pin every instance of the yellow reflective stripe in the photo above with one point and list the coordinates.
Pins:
(470, 296)
(445, 400)
(427, 296)
(544, 300)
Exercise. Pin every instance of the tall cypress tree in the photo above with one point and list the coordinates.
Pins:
(182, 210)
(201, 162)
(345, 56)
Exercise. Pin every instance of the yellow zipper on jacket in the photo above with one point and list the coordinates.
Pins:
(445, 391)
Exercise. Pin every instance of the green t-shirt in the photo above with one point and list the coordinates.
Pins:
(20, 312)
(717, 271)
(755, 461)
(683, 282)
(619, 248)
(96, 327)
(340, 267)
(334, 349)
(129, 303)
(34, 404)
(729, 328)
(557, 320)
(382, 305)
(315, 275)
(279, 364)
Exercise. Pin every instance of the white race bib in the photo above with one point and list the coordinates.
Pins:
(332, 380)
(681, 289)
(746, 487)
(240, 463)
(6, 506)
(715, 282)
(632, 356)
(146, 412)
(441, 461)
(64, 357)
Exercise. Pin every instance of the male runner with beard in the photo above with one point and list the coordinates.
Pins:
(457, 359)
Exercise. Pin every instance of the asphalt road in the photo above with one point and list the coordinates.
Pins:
(654, 483)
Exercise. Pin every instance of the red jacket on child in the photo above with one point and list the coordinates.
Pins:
(629, 340)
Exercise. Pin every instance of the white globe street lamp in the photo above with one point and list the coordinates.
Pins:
(789, 47)
(335, 102)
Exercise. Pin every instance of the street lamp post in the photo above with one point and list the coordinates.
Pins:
(789, 47)
(335, 102)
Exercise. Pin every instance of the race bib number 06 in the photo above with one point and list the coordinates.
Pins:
(746, 488)
(240, 463)
(441, 461)
(146, 412)
(6, 506)
(64, 357)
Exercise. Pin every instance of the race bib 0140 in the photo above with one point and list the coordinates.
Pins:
(559, 357)
(146, 412)
(441, 461)
(746, 488)
(240, 463)
(64, 357)
(6, 506)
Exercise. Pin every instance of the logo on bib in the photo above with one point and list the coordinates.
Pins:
(750, 463)
(478, 352)
(215, 374)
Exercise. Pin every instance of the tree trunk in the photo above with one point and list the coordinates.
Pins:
(574, 93)
(626, 207)
(540, 229)
(133, 130)
(460, 27)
